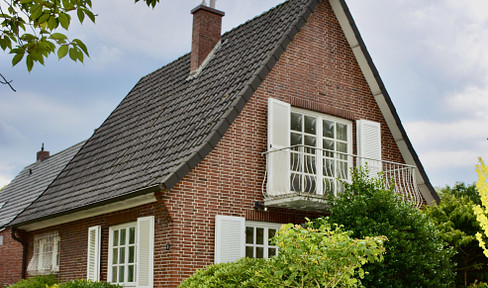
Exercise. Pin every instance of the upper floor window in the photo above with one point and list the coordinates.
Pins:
(45, 258)
(320, 152)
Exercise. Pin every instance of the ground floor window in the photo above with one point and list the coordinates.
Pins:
(122, 254)
(45, 258)
(258, 236)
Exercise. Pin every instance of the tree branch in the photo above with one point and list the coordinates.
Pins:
(7, 82)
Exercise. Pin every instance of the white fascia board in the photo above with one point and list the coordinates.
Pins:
(112, 207)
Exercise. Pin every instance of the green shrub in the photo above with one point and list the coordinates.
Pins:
(316, 254)
(308, 257)
(416, 256)
(39, 281)
(82, 283)
(233, 274)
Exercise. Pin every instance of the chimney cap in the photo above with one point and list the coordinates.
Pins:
(41, 155)
(206, 8)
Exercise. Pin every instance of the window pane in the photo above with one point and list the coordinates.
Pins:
(122, 255)
(132, 235)
(309, 184)
(295, 182)
(329, 186)
(296, 139)
(310, 165)
(296, 122)
(342, 131)
(116, 238)
(121, 274)
(114, 274)
(342, 170)
(342, 147)
(310, 125)
(295, 162)
(115, 256)
(271, 252)
(271, 234)
(312, 142)
(249, 235)
(259, 236)
(130, 273)
(249, 252)
(122, 236)
(329, 146)
(328, 129)
(259, 252)
(132, 254)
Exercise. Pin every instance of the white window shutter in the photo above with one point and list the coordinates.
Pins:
(229, 238)
(145, 252)
(278, 137)
(369, 145)
(93, 265)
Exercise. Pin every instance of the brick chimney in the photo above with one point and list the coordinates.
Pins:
(41, 155)
(207, 27)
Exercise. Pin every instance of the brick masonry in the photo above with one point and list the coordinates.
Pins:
(318, 71)
(10, 250)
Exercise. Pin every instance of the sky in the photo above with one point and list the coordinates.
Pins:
(432, 57)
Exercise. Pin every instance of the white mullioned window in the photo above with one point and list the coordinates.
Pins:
(122, 254)
(321, 145)
(45, 258)
(258, 236)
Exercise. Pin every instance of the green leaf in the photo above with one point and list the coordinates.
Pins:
(52, 23)
(73, 54)
(17, 58)
(64, 20)
(36, 12)
(29, 62)
(58, 36)
(81, 15)
(90, 15)
(62, 51)
(81, 45)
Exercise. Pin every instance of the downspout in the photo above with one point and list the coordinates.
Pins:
(24, 251)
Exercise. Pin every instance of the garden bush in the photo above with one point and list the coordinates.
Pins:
(416, 255)
(39, 281)
(82, 283)
(315, 254)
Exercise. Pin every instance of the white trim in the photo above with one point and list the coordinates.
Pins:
(110, 251)
(265, 246)
(93, 254)
(229, 238)
(112, 207)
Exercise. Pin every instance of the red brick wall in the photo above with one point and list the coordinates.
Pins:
(10, 259)
(74, 240)
(318, 71)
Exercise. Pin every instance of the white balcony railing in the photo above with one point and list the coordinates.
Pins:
(310, 173)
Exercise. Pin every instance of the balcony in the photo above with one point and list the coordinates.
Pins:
(300, 177)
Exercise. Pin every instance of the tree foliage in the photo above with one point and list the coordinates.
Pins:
(416, 255)
(481, 211)
(311, 255)
(31, 29)
(457, 223)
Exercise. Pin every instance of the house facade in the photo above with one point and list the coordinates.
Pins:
(205, 158)
(18, 195)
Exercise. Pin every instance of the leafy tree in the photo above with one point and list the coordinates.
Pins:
(457, 223)
(416, 254)
(30, 29)
(481, 211)
(311, 255)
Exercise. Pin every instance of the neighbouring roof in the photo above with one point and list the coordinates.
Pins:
(169, 121)
(31, 182)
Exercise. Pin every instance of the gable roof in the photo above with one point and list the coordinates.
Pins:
(29, 184)
(169, 121)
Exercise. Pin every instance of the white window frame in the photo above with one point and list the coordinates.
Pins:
(318, 154)
(266, 246)
(41, 242)
(126, 265)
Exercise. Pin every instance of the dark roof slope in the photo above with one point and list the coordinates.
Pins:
(31, 182)
(170, 121)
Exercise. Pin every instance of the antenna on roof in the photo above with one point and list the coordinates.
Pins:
(213, 3)
(42, 147)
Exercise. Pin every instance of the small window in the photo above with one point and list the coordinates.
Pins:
(45, 258)
(122, 254)
(258, 236)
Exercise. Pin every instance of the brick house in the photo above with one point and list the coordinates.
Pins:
(18, 195)
(207, 156)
